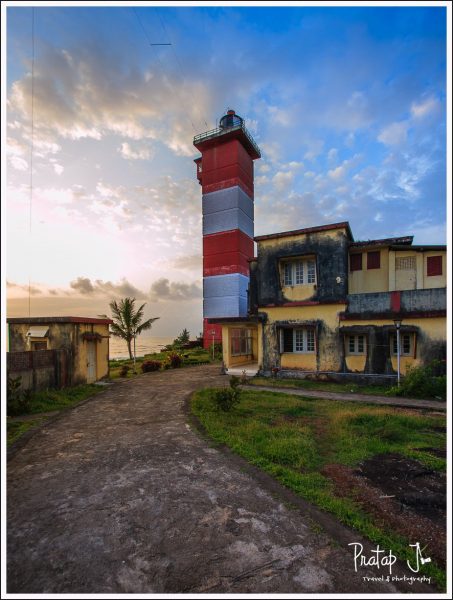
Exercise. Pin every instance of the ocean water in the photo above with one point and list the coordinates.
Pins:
(143, 345)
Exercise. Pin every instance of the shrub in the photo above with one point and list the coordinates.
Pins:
(174, 360)
(226, 398)
(18, 401)
(124, 371)
(422, 382)
(150, 365)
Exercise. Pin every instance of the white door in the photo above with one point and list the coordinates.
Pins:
(91, 362)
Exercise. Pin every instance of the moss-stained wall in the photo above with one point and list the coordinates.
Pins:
(67, 336)
(430, 342)
(329, 351)
(331, 251)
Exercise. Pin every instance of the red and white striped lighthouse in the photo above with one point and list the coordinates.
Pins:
(225, 172)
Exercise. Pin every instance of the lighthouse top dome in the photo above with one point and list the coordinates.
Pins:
(231, 119)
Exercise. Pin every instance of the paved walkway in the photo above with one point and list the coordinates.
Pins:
(120, 495)
(353, 397)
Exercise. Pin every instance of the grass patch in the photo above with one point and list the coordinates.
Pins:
(325, 386)
(191, 357)
(15, 429)
(293, 438)
(48, 401)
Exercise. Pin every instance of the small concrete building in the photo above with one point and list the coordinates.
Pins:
(72, 350)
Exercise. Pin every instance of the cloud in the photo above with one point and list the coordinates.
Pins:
(83, 92)
(394, 134)
(282, 180)
(18, 163)
(84, 286)
(193, 261)
(24, 289)
(163, 289)
(424, 108)
(337, 173)
(137, 152)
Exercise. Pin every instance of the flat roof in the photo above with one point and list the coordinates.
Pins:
(36, 320)
(401, 241)
(271, 236)
(418, 247)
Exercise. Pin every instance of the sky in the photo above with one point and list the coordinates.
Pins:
(347, 104)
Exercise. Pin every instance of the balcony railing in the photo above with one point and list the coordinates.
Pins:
(218, 131)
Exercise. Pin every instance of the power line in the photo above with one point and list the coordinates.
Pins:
(161, 65)
(30, 213)
(178, 62)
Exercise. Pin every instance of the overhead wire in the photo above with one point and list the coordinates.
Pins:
(32, 136)
(162, 67)
(178, 62)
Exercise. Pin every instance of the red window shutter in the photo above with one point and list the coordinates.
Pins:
(434, 265)
(373, 260)
(355, 262)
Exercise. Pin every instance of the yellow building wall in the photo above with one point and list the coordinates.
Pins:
(355, 362)
(436, 281)
(434, 328)
(327, 355)
(102, 351)
(370, 280)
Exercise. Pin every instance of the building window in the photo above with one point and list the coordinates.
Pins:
(356, 344)
(38, 345)
(241, 342)
(355, 262)
(405, 263)
(434, 266)
(299, 341)
(373, 260)
(300, 272)
(406, 344)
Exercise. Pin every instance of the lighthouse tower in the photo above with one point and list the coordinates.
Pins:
(225, 172)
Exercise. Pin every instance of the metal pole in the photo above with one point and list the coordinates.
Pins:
(398, 350)
(134, 352)
(213, 337)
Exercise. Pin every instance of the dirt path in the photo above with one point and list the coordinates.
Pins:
(120, 495)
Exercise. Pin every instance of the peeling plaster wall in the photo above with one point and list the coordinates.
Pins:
(331, 251)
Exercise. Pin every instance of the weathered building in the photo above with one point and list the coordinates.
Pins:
(320, 303)
(58, 351)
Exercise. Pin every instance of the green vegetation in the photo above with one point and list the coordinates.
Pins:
(424, 382)
(44, 402)
(192, 357)
(295, 438)
(326, 386)
(128, 321)
(226, 398)
(420, 382)
(17, 428)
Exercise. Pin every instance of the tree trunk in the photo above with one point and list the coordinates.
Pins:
(129, 348)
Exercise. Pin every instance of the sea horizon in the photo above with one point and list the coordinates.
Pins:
(143, 345)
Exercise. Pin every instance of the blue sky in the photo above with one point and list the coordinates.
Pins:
(347, 105)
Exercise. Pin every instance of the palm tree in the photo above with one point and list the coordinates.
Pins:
(127, 321)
